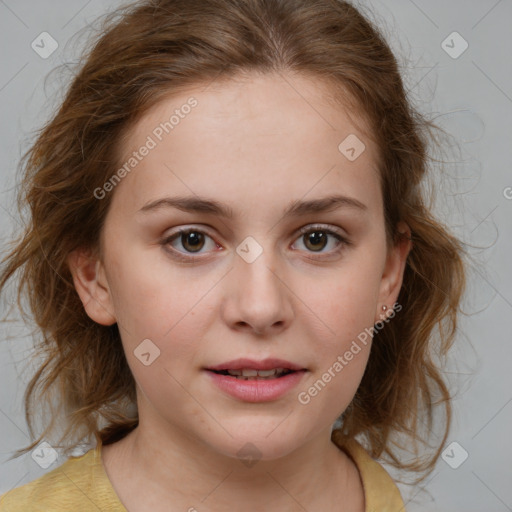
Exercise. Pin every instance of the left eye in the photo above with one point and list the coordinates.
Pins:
(317, 237)
(193, 240)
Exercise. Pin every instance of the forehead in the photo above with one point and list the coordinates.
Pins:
(254, 139)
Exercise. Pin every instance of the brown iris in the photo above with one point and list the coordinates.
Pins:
(193, 241)
(316, 237)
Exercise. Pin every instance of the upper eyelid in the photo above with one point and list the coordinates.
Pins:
(301, 230)
(320, 227)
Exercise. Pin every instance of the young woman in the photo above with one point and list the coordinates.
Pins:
(232, 265)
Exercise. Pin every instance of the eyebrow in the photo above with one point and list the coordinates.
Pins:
(197, 204)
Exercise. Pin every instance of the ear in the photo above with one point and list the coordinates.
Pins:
(393, 274)
(91, 285)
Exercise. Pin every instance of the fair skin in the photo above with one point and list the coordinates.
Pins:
(255, 145)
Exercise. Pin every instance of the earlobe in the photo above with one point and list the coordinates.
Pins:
(392, 277)
(92, 286)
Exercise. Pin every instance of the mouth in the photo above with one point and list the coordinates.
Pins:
(246, 369)
(252, 374)
(256, 381)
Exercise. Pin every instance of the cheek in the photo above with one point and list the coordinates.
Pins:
(344, 308)
(147, 308)
(341, 343)
(344, 302)
(152, 296)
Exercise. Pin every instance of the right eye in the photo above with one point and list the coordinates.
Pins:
(191, 239)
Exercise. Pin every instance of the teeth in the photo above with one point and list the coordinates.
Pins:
(247, 373)
(267, 373)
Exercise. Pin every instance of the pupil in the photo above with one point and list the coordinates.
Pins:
(316, 237)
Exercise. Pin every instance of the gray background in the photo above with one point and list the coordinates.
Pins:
(470, 96)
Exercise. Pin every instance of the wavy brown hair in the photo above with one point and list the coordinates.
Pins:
(150, 49)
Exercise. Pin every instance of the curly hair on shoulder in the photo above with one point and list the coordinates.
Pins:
(150, 49)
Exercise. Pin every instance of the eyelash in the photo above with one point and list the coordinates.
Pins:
(343, 242)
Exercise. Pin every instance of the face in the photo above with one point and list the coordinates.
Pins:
(226, 273)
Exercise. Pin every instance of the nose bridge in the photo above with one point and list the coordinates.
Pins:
(256, 265)
(259, 297)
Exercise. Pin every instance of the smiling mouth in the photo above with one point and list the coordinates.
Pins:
(251, 374)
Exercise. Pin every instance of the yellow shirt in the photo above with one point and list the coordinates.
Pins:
(81, 485)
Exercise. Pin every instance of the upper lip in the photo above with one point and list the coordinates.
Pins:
(265, 364)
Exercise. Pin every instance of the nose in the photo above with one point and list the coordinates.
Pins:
(257, 298)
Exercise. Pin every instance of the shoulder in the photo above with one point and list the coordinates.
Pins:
(381, 492)
(79, 484)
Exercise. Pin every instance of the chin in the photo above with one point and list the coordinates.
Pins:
(252, 444)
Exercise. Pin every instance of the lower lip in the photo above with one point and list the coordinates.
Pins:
(257, 390)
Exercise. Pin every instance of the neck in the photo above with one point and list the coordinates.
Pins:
(173, 468)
